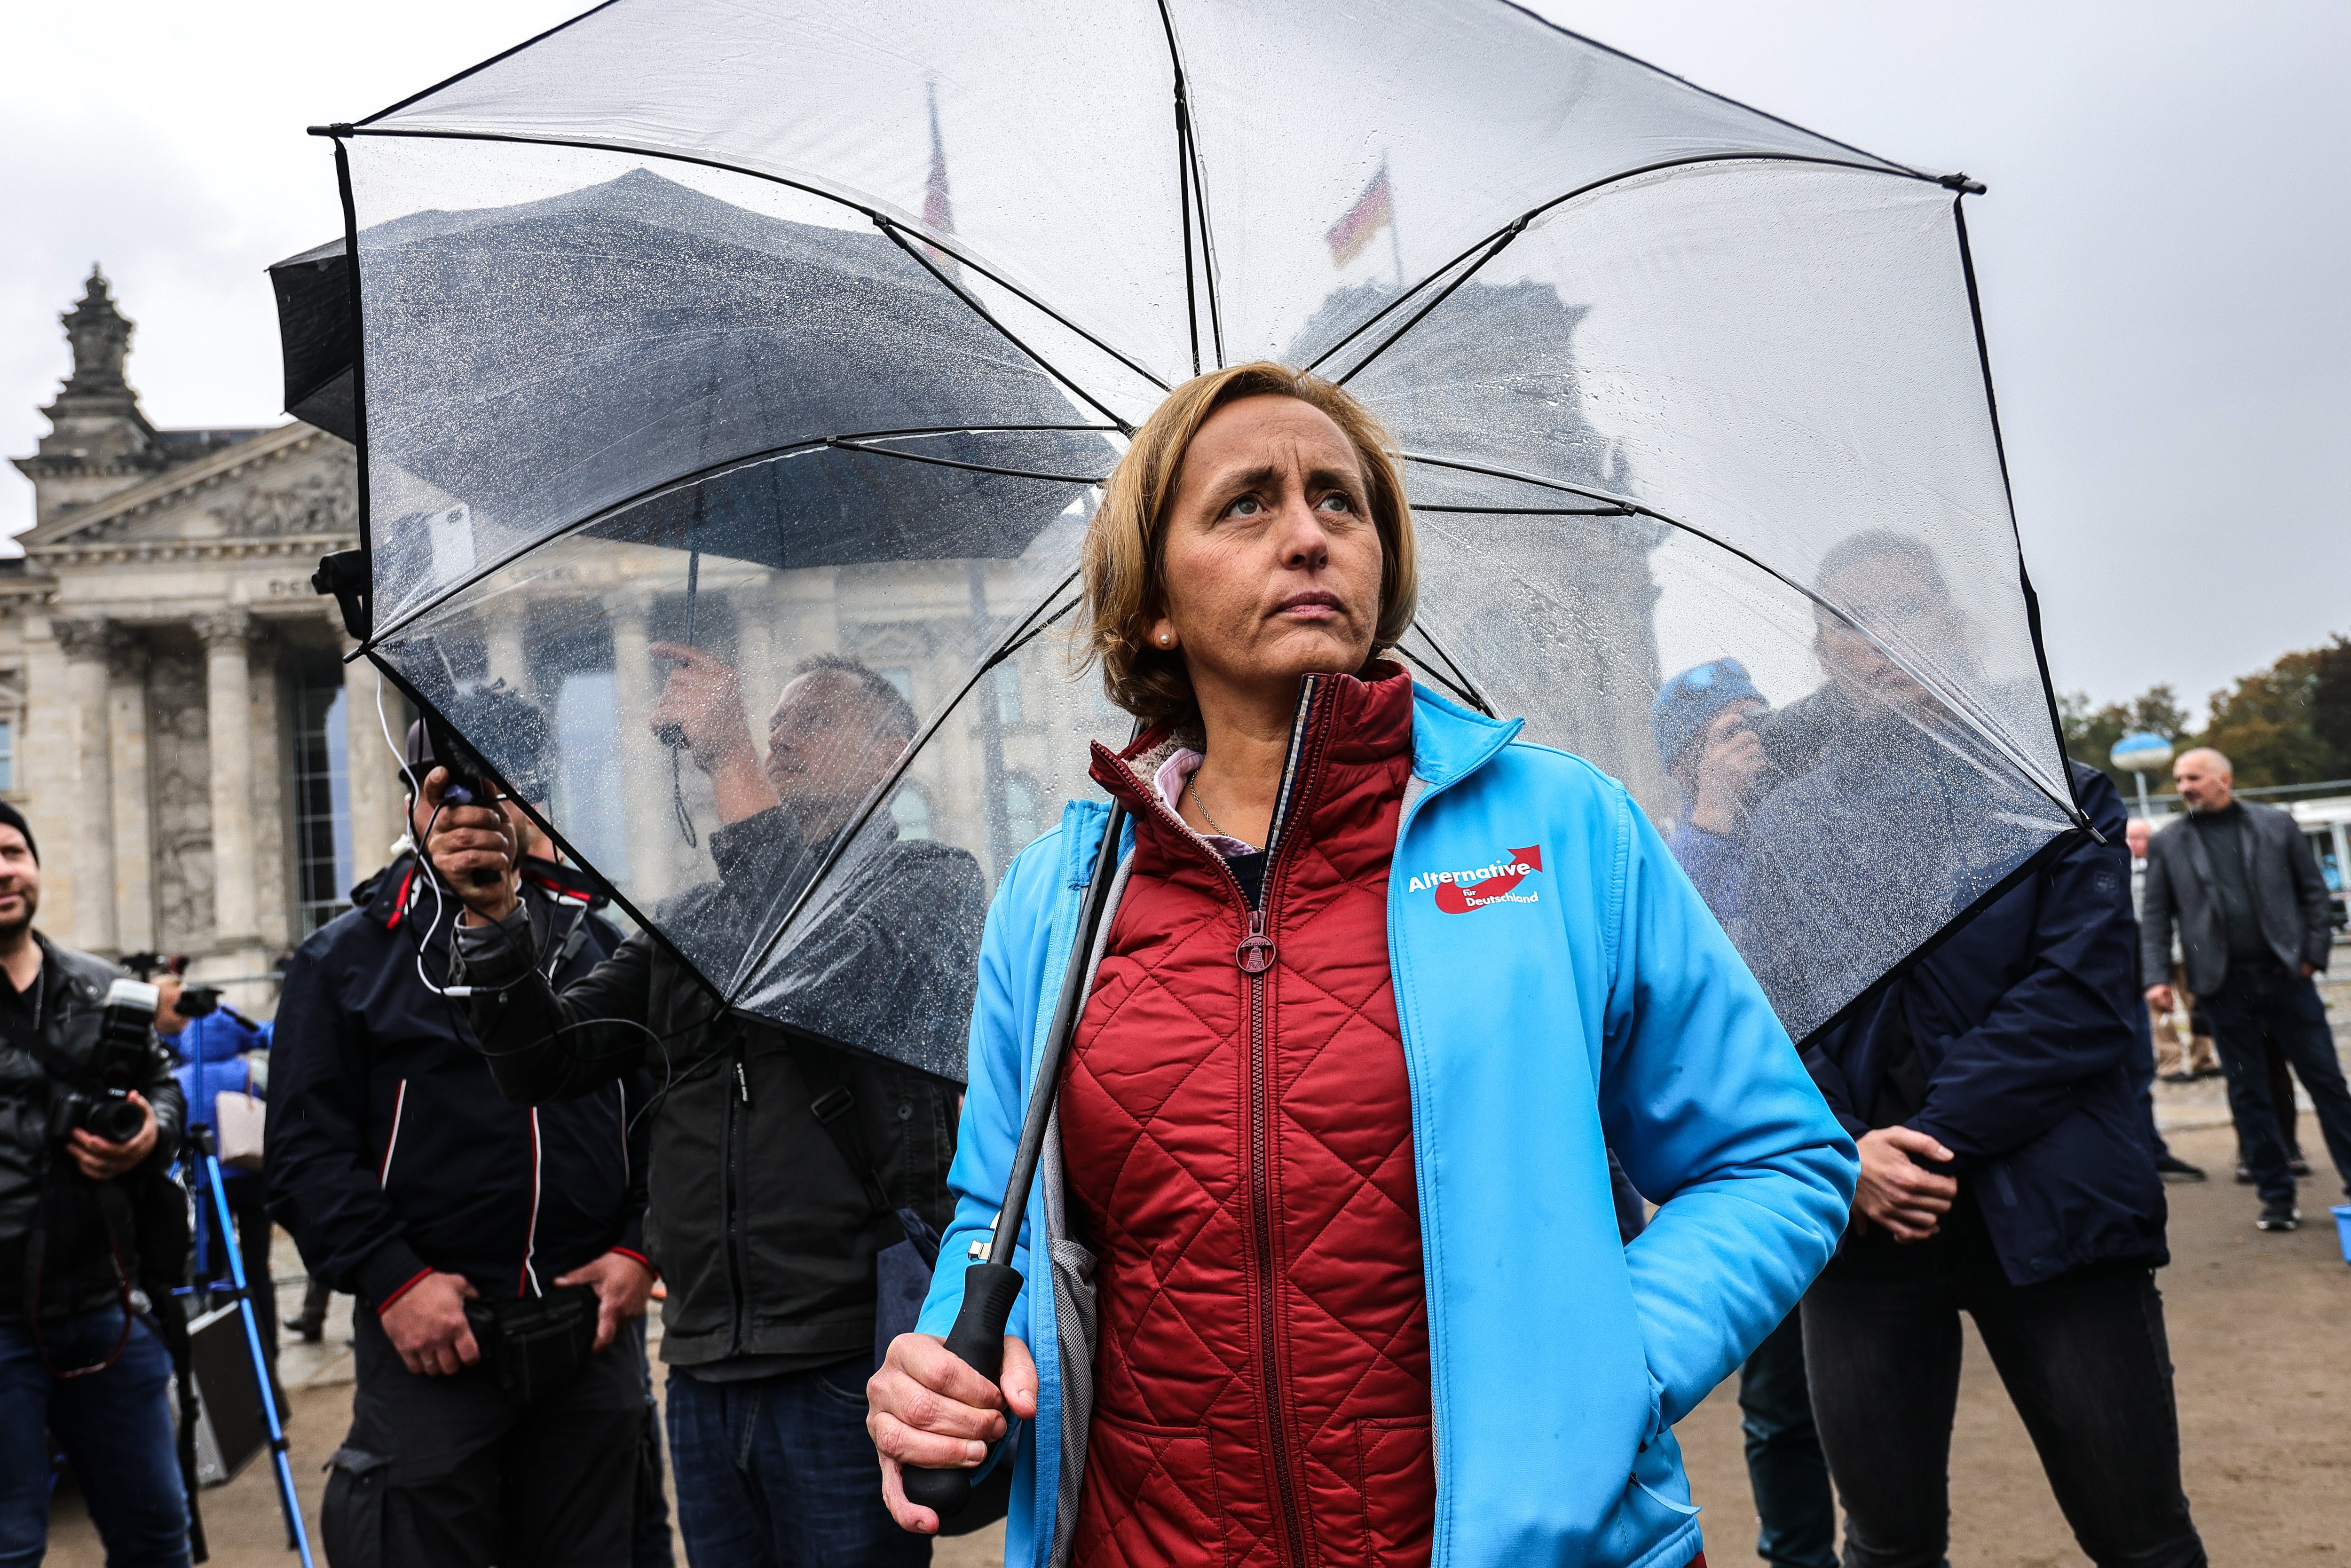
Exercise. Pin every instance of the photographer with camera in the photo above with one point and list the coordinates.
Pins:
(93, 1236)
(496, 1251)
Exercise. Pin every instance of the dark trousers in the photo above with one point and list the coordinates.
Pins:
(115, 1426)
(455, 1471)
(778, 1472)
(2260, 1005)
(1784, 1467)
(2083, 1356)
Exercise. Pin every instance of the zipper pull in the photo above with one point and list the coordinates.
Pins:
(742, 1083)
(1255, 955)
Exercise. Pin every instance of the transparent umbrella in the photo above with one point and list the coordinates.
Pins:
(802, 335)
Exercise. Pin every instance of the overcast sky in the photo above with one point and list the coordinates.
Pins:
(2162, 251)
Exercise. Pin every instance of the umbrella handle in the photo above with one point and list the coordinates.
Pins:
(977, 1337)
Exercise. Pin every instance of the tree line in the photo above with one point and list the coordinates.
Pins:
(2287, 724)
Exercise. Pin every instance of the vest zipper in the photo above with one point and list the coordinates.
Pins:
(1255, 958)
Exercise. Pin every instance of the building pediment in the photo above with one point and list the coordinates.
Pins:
(293, 484)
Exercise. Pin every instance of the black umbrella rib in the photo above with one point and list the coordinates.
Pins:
(359, 374)
(841, 841)
(984, 314)
(485, 65)
(1475, 697)
(1709, 92)
(1532, 511)
(873, 214)
(1467, 694)
(1192, 197)
(850, 443)
(1496, 242)
(2000, 446)
(703, 475)
(1634, 509)
(1382, 314)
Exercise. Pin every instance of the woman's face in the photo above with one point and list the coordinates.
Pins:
(1271, 562)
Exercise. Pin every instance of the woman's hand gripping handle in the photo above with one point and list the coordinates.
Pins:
(937, 1405)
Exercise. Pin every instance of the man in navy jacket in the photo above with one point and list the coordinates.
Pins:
(2008, 1170)
(409, 1181)
(2008, 1163)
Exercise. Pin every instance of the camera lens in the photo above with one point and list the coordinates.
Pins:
(116, 1121)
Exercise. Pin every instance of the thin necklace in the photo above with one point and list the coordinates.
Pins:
(1193, 784)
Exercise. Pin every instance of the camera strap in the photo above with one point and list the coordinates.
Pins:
(834, 1105)
(114, 1207)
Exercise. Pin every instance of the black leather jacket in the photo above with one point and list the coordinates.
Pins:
(78, 1270)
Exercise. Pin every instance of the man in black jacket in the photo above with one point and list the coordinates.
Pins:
(2252, 913)
(780, 1162)
(409, 1182)
(93, 1236)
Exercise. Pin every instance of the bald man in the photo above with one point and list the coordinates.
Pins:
(2239, 881)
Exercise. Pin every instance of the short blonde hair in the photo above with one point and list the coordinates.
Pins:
(1126, 542)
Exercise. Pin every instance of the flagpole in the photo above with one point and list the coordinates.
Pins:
(1395, 246)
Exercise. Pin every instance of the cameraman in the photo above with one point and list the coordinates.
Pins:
(462, 1222)
(82, 1354)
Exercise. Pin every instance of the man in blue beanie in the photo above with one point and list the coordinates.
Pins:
(1704, 721)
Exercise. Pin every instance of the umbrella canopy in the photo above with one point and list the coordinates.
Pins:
(801, 335)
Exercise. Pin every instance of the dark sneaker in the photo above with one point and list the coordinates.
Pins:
(310, 1332)
(2298, 1166)
(2171, 1167)
(2244, 1174)
(2278, 1217)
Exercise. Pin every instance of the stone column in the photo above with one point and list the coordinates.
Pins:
(378, 797)
(228, 700)
(644, 763)
(134, 839)
(90, 880)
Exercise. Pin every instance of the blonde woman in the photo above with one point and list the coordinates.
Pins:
(1336, 1276)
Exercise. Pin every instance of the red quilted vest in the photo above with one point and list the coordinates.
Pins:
(1238, 1154)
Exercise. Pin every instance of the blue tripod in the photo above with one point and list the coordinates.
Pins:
(205, 1166)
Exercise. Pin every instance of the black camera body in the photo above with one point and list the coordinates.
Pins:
(97, 1100)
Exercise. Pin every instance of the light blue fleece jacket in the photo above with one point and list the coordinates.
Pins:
(1595, 1004)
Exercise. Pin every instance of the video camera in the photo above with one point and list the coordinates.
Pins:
(98, 1099)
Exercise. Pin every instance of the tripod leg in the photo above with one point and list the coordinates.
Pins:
(298, 1538)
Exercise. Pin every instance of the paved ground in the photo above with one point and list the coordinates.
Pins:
(2257, 1331)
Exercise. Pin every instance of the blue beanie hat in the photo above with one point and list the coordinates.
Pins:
(1690, 702)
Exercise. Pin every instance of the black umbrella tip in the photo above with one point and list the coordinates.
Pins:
(1963, 184)
(340, 130)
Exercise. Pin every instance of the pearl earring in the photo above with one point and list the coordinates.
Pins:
(1165, 638)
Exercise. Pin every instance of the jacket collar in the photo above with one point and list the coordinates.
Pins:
(1449, 742)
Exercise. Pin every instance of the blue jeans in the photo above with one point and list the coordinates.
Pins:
(1791, 1481)
(778, 1472)
(116, 1427)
